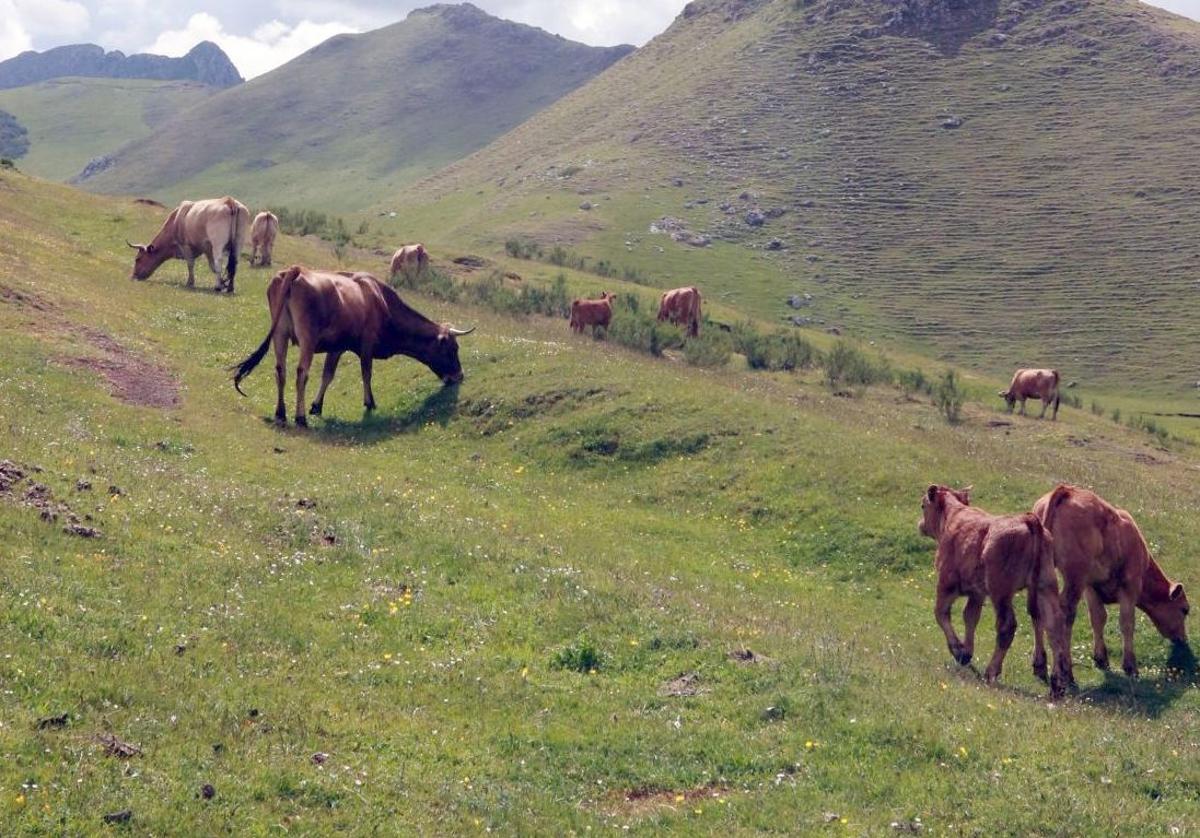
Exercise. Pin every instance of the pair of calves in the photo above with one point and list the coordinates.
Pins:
(331, 364)
(1051, 615)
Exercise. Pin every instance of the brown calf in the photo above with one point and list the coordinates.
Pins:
(594, 313)
(983, 556)
(1103, 556)
(412, 260)
(263, 231)
(1033, 384)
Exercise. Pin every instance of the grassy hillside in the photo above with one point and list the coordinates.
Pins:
(1052, 226)
(73, 120)
(518, 605)
(359, 117)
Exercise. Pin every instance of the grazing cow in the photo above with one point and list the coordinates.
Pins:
(982, 556)
(412, 260)
(262, 238)
(594, 313)
(334, 313)
(1103, 557)
(1033, 384)
(197, 228)
(681, 306)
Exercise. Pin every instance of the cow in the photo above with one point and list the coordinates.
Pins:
(412, 261)
(338, 312)
(681, 306)
(197, 228)
(983, 556)
(262, 238)
(1033, 384)
(594, 313)
(1103, 556)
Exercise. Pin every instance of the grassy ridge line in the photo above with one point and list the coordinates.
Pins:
(791, 531)
(114, 111)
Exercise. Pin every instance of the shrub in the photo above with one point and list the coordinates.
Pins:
(580, 656)
(640, 331)
(848, 366)
(1116, 415)
(912, 382)
(711, 349)
(1097, 408)
(950, 397)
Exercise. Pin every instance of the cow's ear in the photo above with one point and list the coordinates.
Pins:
(1176, 591)
(931, 493)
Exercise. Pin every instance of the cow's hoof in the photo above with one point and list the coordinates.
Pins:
(1040, 672)
(1101, 662)
(301, 421)
(369, 407)
(1131, 670)
(315, 410)
(962, 656)
(1057, 688)
(281, 420)
(991, 677)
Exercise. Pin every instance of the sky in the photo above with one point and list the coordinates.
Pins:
(259, 36)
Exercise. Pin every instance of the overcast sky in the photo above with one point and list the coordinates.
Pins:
(259, 36)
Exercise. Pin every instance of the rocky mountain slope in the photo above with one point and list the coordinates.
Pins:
(205, 63)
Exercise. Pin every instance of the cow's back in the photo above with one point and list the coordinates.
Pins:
(343, 311)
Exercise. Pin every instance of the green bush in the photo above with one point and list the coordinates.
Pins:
(914, 382)
(711, 349)
(580, 656)
(848, 366)
(950, 396)
(1097, 408)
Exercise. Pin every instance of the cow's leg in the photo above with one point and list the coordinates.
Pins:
(1128, 614)
(941, 611)
(281, 350)
(1022, 405)
(306, 356)
(1099, 616)
(1045, 404)
(331, 362)
(364, 363)
(191, 266)
(253, 255)
(1045, 607)
(1006, 629)
(1040, 670)
(971, 612)
(212, 264)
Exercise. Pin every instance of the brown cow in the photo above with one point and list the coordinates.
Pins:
(594, 313)
(412, 260)
(262, 238)
(340, 312)
(1033, 384)
(194, 228)
(681, 306)
(983, 556)
(1103, 556)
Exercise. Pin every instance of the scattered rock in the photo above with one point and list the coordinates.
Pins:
(587, 206)
(114, 747)
(756, 218)
(207, 791)
(830, 817)
(774, 714)
(834, 330)
(999, 423)
(912, 827)
(952, 122)
(320, 758)
(677, 182)
(306, 503)
(775, 244)
(114, 490)
(745, 655)
(54, 722)
(82, 485)
(796, 301)
(470, 261)
(123, 816)
(180, 648)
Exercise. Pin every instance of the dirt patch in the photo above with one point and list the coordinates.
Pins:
(114, 747)
(18, 487)
(25, 299)
(687, 684)
(746, 656)
(649, 800)
(131, 378)
(149, 202)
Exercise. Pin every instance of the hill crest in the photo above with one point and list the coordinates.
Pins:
(206, 63)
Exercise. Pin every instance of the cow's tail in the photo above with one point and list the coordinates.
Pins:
(1057, 498)
(277, 296)
(1043, 566)
(1057, 391)
(237, 234)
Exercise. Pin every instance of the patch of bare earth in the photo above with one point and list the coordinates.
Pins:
(17, 486)
(645, 801)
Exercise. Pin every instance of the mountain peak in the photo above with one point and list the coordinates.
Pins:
(206, 63)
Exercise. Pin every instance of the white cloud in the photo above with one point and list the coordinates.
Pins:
(271, 44)
(1190, 8)
(21, 21)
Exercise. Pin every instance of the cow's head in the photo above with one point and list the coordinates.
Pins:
(1168, 613)
(933, 507)
(442, 354)
(149, 257)
(1008, 397)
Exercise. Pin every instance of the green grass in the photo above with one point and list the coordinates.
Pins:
(413, 594)
(72, 120)
(1029, 236)
(358, 118)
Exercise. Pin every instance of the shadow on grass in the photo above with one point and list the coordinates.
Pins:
(437, 408)
(1149, 697)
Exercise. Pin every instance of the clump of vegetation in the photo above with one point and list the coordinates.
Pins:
(306, 222)
(848, 366)
(639, 330)
(519, 249)
(561, 257)
(14, 139)
(711, 349)
(950, 397)
(1097, 408)
(580, 656)
(913, 383)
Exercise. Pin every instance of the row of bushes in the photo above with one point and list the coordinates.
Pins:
(560, 257)
(306, 222)
(846, 367)
(1135, 422)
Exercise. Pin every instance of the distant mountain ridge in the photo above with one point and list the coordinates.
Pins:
(206, 63)
(360, 117)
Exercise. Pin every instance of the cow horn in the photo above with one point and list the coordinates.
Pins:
(135, 246)
(460, 332)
